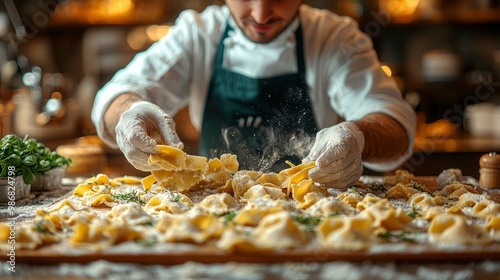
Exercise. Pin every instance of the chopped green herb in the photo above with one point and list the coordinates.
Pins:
(386, 235)
(378, 188)
(413, 213)
(177, 198)
(41, 226)
(129, 197)
(229, 217)
(309, 222)
(421, 188)
(353, 190)
(147, 242)
(398, 236)
(335, 213)
(404, 237)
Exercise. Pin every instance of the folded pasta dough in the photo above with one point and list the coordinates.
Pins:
(432, 212)
(220, 170)
(368, 200)
(401, 191)
(271, 179)
(164, 221)
(177, 180)
(175, 203)
(93, 184)
(168, 158)
(352, 199)
(218, 204)
(226, 163)
(493, 226)
(81, 217)
(180, 171)
(100, 233)
(347, 233)
(455, 190)
(233, 240)
(485, 208)
(258, 190)
(493, 222)
(329, 206)
(387, 216)
(46, 231)
(306, 193)
(99, 195)
(295, 174)
(26, 237)
(453, 229)
(424, 201)
(279, 231)
(257, 209)
(401, 177)
(61, 211)
(242, 181)
(96, 231)
(470, 199)
(310, 199)
(197, 228)
(130, 213)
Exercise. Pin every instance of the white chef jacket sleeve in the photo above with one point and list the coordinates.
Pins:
(161, 74)
(359, 87)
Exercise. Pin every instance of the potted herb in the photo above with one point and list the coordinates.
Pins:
(30, 159)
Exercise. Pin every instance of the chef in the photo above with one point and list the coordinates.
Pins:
(268, 80)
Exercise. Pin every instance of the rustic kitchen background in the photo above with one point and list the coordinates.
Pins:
(445, 56)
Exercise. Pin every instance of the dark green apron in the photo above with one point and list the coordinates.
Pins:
(262, 121)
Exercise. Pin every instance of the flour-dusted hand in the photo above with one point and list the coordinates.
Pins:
(337, 153)
(140, 128)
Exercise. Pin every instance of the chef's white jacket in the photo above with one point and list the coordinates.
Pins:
(342, 70)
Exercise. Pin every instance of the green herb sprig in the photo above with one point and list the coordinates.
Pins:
(229, 217)
(41, 226)
(378, 188)
(177, 198)
(335, 213)
(421, 188)
(310, 222)
(413, 213)
(147, 242)
(354, 190)
(388, 235)
(129, 197)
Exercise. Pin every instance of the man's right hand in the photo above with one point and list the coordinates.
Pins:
(140, 128)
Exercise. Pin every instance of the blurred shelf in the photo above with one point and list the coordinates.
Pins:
(465, 144)
(473, 16)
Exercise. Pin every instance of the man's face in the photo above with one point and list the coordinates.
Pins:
(263, 20)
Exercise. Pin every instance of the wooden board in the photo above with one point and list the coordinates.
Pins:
(415, 253)
(396, 252)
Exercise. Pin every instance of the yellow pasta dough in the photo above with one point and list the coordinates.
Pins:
(198, 228)
(279, 231)
(349, 233)
(453, 229)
